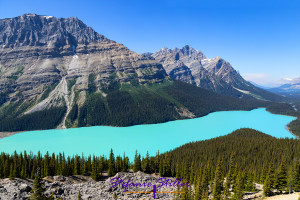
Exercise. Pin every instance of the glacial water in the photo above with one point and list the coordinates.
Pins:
(99, 140)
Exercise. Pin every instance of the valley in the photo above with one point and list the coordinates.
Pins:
(78, 109)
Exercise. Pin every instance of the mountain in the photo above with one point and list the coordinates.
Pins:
(58, 72)
(259, 86)
(216, 74)
(291, 89)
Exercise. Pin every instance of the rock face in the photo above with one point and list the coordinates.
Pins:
(191, 66)
(69, 187)
(39, 51)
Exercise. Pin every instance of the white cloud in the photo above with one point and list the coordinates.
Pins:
(266, 79)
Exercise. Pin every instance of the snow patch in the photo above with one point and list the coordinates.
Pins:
(48, 17)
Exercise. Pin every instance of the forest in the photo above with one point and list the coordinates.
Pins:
(223, 167)
(134, 105)
(127, 105)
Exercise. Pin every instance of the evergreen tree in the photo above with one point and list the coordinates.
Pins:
(250, 185)
(166, 167)
(267, 188)
(156, 163)
(146, 167)
(282, 176)
(95, 173)
(205, 182)
(296, 176)
(111, 164)
(272, 175)
(185, 195)
(77, 166)
(218, 181)
(227, 188)
(137, 166)
(238, 190)
(199, 187)
(11, 172)
(38, 190)
(125, 163)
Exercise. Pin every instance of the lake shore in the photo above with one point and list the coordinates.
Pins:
(7, 134)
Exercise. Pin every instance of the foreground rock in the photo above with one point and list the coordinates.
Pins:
(69, 187)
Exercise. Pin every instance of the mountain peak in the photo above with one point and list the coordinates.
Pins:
(177, 52)
(42, 30)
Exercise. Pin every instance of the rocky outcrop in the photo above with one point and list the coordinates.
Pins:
(69, 187)
(216, 74)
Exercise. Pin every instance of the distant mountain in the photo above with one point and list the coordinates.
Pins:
(259, 86)
(58, 72)
(216, 74)
(291, 89)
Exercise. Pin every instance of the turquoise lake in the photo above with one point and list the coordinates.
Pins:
(99, 140)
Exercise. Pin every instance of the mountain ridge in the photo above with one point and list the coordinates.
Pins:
(290, 89)
(60, 73)
(216, 74)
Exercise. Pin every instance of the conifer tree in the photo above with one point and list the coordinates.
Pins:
(267, 188)
(238, 190)
(125, 166)
(166, 166)
(111, 164)
(227, 189)
(205, 182)
(282, 176)
(231, 169)
(147, 168)
(38, 190)
(218, 181)
(185, 195)
(95, 173)
(199, 187)
(77, 166)
(250, 186)
(11, 172)
(264, 173)
(296, 176)
(186, 171)
(230, 175)
(156, 163)
(272, 175)
(137, 166)
(6, 170)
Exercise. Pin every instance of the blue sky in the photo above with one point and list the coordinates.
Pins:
(260, 38)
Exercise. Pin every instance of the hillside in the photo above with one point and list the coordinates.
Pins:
(58, 73)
